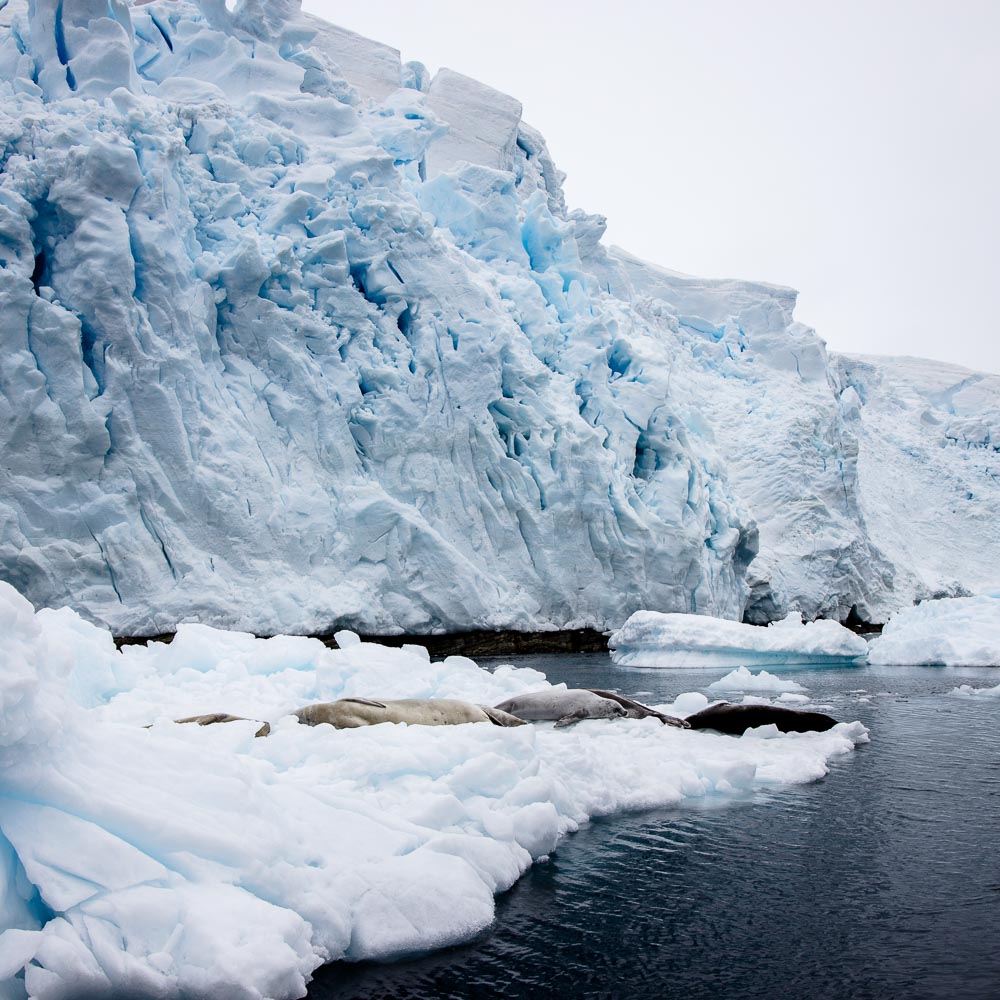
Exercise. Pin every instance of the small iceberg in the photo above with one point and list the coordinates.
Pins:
(742, 679)
(968, 691)
(950, 632)
(654, 639)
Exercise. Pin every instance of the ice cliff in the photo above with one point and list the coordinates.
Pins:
(295, 335)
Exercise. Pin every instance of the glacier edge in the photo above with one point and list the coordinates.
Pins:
(298, 338)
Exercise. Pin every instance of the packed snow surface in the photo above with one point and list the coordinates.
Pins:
(299, 337)
(201, 860)
(955, 632)
(655, 639)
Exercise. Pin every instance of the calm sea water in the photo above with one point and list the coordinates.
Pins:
(881, 881)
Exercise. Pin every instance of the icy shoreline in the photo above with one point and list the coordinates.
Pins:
(186, 859)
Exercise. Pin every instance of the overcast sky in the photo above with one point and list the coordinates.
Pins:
(850, 149)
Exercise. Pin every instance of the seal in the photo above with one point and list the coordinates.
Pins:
(737, 719)
(352, 713)
(216, 717)
(565, 707)
(636, 710)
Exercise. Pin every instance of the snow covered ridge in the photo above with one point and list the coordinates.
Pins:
(203, 861)
(297, 337)
(956, 632)
(653, 639)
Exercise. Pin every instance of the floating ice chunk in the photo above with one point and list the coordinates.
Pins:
(687, 704)
(956, 632)
(742, 679)
(968, 691)
(653, 639)
(794, 699)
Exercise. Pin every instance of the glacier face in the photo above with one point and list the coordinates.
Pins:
(928, 470)
(297, 337)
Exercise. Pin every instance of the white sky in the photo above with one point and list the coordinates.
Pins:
(848, 149)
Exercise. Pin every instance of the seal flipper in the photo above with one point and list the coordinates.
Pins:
(636, 709)
(219, 717)
(501, 718)
(571, 719)
(365, 701)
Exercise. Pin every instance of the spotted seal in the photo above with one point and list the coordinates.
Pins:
(564, 707)
(351, 713)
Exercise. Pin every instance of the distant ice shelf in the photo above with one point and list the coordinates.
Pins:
(654, 639)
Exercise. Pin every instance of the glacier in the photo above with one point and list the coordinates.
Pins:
(299, 337)
(655, 639)
(187, 860)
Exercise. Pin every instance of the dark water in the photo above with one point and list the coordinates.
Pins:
(882, 880)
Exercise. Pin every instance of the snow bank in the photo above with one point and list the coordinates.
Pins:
(957, 632)
(742, 679)
(202, 860)
(653, 639)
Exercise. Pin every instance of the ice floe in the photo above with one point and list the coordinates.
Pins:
(206, 861)
(654, 639)
(957, 632)
(968, 691)
(742, 679)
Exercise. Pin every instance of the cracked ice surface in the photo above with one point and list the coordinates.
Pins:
(204, 861)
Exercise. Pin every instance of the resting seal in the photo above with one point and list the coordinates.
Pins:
(216, 717)
(636, 710)
(737, 719)
(565, 707)
(351, 713)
